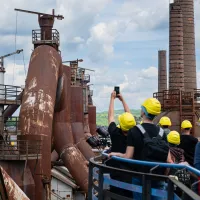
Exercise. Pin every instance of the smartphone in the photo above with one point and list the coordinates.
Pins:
(116, 89)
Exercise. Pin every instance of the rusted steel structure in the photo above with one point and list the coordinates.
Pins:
(92, 119)
(162, 70)
(77, 119)
(187, 7)
(22, 178)
(180, 105)
(63, 134)
(9, 189)
(54, 112)
(37, 109)
(176, 58)
(9, 111)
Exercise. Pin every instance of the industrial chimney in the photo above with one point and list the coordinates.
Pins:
(176, 58)
(187, 7)
(162, 71)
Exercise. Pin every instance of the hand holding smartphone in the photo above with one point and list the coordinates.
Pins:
(117, 90)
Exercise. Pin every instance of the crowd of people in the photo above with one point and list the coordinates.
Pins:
(150, 142)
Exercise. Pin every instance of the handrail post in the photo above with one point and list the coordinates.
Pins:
(100, 185)
(90, 181)
(146, 188)
(5, 93)
(170, 190)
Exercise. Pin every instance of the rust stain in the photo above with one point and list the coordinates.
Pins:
(34, 54)
(37, 109)
(13, 190)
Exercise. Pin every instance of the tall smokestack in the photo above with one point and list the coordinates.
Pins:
(187, 7)
(162, 71)
(176, 60)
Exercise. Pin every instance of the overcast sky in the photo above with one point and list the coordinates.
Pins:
(119, 39)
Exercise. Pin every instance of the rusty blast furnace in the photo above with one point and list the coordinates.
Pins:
(57, 115)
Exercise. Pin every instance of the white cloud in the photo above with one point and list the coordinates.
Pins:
(103, 35)
(15, 74)
(149, 73)
(133, 85)
(127, 63)
(95, 31)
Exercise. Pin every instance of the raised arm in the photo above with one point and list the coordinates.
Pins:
(126, 108)
(111, 117)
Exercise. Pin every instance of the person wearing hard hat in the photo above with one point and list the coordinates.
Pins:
(177, 154)
(150, 108)
(165, 123)
(188, 142)
(118, 135)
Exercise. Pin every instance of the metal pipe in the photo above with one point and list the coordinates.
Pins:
(77, 119)
(13, 191)
(9, 111)
(60, 17)
(37, 109)
(92, 119)
(63, 137)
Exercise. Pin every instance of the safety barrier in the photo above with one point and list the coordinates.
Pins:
(20, 150)
(99, 178)
(8, 94)
(38, 37)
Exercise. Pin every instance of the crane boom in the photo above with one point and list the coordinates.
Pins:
(10, 54)
(59, 17)
(86, 69)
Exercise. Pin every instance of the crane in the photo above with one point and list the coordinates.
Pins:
(59, 17)
(7, 55)
(46, 34)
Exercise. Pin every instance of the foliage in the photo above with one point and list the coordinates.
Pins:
(102, 117)
(11, 122)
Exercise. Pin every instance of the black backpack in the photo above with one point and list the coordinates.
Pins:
(155, 149)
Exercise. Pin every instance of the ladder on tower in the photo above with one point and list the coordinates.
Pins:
(187, 108)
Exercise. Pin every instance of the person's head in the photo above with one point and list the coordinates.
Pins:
(150, 109)
(173, 138)
(186, 127)
(165, 122)
(126, 122)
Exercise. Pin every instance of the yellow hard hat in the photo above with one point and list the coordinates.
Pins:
(126, 121)
(186, 124)
(152, 106)
(12, 143)
(165, 121)
(173, 137)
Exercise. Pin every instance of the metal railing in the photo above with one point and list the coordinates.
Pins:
(99, 178)
(8, 127)
(9, 93)
(91, 93)
(83, 78)
(169, 99)
(20, 149)
(37, 37)
(173, 98)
